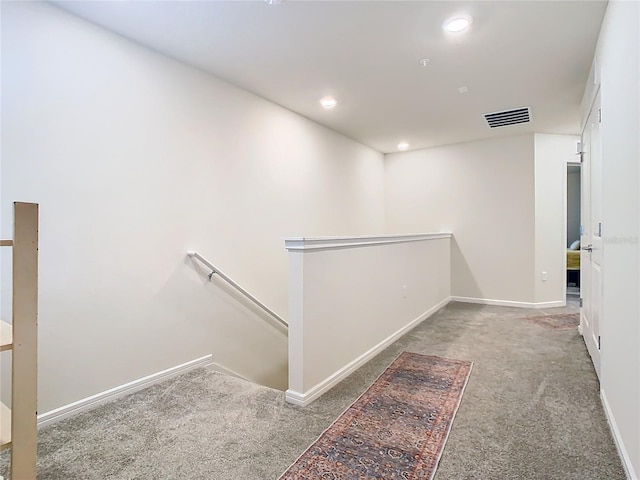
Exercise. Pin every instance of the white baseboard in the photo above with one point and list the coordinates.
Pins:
(624, 455)
(509, 303)
(557, 303)
(227, 371)
(303, 399)
(101, 398)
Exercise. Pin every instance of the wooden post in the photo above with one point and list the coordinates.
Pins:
(24, 375)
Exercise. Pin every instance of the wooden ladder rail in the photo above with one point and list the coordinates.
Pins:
(21, 337)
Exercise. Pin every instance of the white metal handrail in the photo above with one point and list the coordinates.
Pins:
(217, 271)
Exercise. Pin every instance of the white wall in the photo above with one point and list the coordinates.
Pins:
(616, 69)
(573, 206)
(351, 297)
(135, 159)
(552, 152)
(481, 191)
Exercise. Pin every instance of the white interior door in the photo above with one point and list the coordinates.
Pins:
(591, 234)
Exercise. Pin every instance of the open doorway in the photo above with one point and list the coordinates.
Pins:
(573, 231)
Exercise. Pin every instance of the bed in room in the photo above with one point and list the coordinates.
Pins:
(573, 264)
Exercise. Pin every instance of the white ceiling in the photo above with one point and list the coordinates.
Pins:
(367, 54)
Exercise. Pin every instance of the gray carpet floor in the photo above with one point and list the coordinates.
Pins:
(531, 410)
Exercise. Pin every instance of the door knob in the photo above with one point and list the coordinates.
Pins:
(588, 248)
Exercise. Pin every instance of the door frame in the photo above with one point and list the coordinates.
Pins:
(595, 322)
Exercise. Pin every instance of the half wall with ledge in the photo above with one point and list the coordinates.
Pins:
(351, 297)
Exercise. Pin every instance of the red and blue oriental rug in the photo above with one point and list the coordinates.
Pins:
(396, 430)
(559, 321)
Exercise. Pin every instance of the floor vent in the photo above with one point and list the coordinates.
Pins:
(508, 117)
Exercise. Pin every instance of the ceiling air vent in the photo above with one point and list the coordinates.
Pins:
(508, 117)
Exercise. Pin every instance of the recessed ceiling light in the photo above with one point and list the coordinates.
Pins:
(457, 24)
(425, 62)
(328, 102)
(463, 90)
(273, 2)
(403, 146)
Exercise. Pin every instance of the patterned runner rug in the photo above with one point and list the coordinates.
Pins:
(396, 430)
(560, 321)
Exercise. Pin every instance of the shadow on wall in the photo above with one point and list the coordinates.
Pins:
(463, 283)
(209, 317)
(267, 340)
